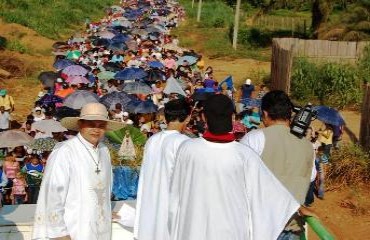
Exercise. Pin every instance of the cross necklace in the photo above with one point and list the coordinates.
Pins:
(97, 171)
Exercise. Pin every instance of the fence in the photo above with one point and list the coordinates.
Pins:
(315, 50)
(275, 23)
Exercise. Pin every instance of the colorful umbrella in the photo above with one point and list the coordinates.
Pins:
(75, 54)
(42, 144)
(190, 59)
(106, 75)
(77, 80)
(14, 138)
(75, 70)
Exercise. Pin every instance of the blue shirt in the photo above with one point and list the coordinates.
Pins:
(38, 167)
(247, 90)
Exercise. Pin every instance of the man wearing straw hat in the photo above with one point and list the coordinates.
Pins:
(74, 199)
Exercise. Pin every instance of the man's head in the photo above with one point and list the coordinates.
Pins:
(218, 110)
(276, 106)
(176, 110)
(92, 123)
(3, 92)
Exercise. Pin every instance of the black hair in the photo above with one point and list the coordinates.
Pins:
(277, 104)
(177, 109)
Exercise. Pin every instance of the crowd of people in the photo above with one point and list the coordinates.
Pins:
(209, 170)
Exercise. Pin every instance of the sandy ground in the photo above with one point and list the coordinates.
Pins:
(341, 220)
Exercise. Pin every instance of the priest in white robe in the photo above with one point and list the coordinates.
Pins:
(222, 190)
(74, 199)
(156, 172)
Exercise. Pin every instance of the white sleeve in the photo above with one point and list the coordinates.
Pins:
(49, 216)
(270, 203)
(255, 140)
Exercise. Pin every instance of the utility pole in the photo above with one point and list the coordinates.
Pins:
(199, 10)
(236, 24)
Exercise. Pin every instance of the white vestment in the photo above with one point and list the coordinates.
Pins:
(224, 191)
(75, 200)
(154, 185)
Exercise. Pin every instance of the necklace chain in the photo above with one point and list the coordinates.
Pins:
(92, 157)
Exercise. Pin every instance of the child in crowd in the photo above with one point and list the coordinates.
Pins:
(10, 168)
(34, 170)
(19, 193)
(321, 163)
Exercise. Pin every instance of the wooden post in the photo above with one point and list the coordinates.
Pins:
(236, 24)
(365, 120)
(199, 10)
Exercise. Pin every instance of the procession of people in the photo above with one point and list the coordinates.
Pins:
(215, 165)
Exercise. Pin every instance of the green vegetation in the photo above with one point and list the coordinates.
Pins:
(334, 84)
(17, 46)
(51, 18)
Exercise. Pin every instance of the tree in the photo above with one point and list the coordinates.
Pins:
(321, 10)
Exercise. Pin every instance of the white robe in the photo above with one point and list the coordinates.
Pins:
(74, 200)
(154, 185)
(224, 191)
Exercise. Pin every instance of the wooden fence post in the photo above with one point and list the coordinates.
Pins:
(365, 120)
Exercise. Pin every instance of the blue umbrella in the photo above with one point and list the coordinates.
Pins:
(117, 46)
(329, 115)
(131, 74)
(49, 99)
(120, 38)
(155, 64)
(142, 107)
(111, 99)
(251, 102)
(190, 59)
(63, 63)
(102, 42)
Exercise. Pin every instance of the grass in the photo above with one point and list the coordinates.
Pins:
(211, 34)
(51, 18)
(17, 46)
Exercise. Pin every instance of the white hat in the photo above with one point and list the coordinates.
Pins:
(91, 112)
(38, 109)
(59, 80)
(248, 81)
(125, 114)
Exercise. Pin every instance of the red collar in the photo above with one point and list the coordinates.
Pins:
(219, 138)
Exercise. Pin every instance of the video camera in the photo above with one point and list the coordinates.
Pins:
(302, 120)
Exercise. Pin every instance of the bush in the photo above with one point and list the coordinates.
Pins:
(17, 46)
(350, 165)
(334, 84)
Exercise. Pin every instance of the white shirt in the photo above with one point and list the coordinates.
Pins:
(74, 200)
(4, 120)
(224, 191)
(154, 185)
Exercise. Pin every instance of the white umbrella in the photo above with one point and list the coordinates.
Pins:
(14, 138)
(79, 98)
(49, 126)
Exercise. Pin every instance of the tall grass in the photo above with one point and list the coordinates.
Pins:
(51, 18)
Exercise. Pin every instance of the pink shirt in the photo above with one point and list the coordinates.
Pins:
(19, 187)
(170, 63)
(11, 170)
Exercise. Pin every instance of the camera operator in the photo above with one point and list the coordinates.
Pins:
(288, 157)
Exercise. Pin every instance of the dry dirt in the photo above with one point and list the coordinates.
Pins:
(338, 215)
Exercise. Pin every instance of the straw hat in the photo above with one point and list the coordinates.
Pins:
(91, 112)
